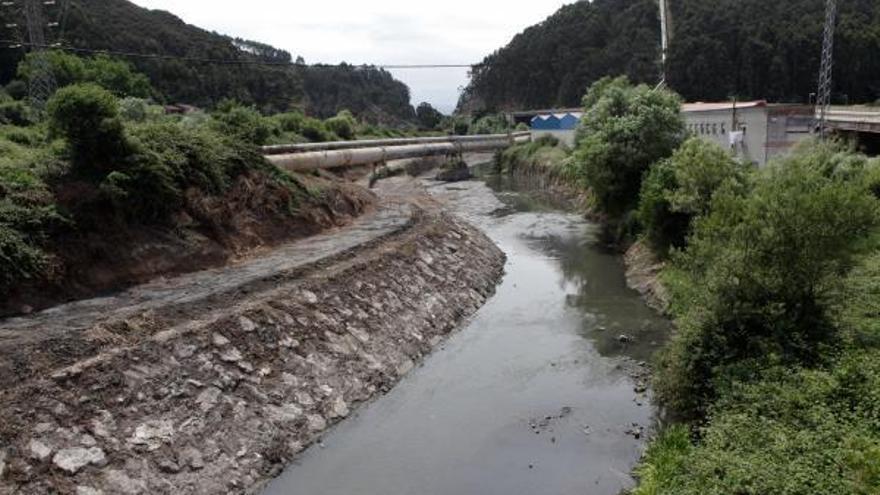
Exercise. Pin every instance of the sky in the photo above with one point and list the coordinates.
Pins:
(381, 32)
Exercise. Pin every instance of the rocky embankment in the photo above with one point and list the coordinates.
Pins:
(219, 401)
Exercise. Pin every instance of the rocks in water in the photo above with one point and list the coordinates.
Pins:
(76, 458)
(625, 339)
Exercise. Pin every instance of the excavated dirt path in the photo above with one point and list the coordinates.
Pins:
(211, 382)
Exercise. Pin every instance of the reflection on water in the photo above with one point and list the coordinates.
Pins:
(592, 274)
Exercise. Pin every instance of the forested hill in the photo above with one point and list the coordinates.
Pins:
(720, 48)
(120, 25)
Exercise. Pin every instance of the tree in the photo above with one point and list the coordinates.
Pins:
(428, 117)
(114, 75)
(625, 130)
(679, 189)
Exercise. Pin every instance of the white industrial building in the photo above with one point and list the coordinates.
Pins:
(754, 131)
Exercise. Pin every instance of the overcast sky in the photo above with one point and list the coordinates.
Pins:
(376, 32)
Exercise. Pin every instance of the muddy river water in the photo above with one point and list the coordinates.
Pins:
(536, 395)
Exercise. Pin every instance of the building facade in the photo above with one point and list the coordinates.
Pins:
(562, 126)
(754, 131)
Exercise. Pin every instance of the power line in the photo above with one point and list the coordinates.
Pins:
(216, 61)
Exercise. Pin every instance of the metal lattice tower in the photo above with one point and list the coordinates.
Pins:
(823, 96)
(42, 82)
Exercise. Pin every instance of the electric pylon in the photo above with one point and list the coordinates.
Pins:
(823, 96)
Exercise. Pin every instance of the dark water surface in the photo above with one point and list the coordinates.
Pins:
(530, 398)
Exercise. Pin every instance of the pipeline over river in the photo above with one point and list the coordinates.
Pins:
(304, 158)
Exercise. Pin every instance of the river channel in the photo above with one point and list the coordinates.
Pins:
(539, 394)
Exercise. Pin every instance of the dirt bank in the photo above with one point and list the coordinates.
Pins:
(643, 274)
(218, 397)
(109, 255)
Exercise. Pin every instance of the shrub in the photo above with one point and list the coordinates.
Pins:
(762, 268)
(290, 121)
(241, 122)
(790, 431)
(134, 109)
(17, 89)
(490, 124)
(87, 116)
(461, 126)
(625, 130)
(678, 189)
(343, 125)
(15, 113)
(315, 131)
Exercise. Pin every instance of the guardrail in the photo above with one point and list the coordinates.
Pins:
(375, 143)
(368, 153)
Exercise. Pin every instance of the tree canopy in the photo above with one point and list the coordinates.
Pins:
(119, 25)
(752, 49)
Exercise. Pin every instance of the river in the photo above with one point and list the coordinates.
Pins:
(538, 394)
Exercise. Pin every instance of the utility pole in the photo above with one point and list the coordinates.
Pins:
(665, 36)
(823, 96)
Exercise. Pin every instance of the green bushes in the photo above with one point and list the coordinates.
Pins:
(761, 267)
(677, 190)
(27, 213)
(240, 122)
(625, 130)
(490, 124)
(785, 431)
(88, 117)
(15, 113)
(343, 125)
(315, 131)
(542, 153)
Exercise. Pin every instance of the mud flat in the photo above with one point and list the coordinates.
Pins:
(216, 395)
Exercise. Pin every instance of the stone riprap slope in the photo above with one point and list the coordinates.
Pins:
(220, 401)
